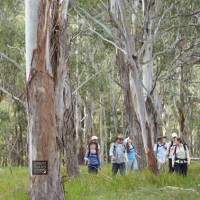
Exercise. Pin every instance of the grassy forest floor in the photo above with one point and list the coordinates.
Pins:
(135, 186)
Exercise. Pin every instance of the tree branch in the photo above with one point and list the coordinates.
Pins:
(11, 96)
(86, 81)
(3, 55)
(109, 41)
(105, 28)
(182, 26)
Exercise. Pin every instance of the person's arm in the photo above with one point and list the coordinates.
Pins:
(188, 155)
(111, 152)
(155, 149)
(126, 155)
(99, 149)
(99, 161)
(86, 157)
(167, 146)
(173, 160)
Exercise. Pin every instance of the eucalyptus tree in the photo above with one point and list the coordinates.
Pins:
(121, 20)
(49, 101)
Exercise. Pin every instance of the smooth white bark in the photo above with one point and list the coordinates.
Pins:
(148, 69)
(31, 23)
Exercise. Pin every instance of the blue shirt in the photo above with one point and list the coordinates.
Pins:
(93, 159)
(131, 153)
(161, 151)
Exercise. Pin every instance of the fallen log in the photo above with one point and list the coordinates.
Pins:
(178, 188)
(195, 158)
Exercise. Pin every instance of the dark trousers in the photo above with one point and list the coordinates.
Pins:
(92, 169)
(181, 168)
(118, 167)
(171, 169)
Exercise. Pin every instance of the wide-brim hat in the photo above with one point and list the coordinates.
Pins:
(160, 137)
(174, 135)
(120, 137)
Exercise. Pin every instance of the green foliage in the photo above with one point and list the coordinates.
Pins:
(12, 45)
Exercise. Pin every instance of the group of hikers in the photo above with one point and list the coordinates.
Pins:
(123, 155)
(176, 151)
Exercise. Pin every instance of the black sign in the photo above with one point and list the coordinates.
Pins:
(39, 167)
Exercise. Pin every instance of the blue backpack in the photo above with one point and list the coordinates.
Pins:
(93, 158)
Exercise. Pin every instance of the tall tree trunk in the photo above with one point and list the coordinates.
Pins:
(21, 146)
(43, 39)
(105, 136)
(65, 111)
(136, 82)
(136, 87)
(148, 81)
(149, 88)
(70, 151)
(182, 126)
(88, 112)
(101, 126)
(133, 124)
(79, 135)
(114, 120)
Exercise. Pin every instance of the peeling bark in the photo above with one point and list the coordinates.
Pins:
(46, 94)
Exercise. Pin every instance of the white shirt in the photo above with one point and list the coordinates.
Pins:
(170, 149)
(181, 154)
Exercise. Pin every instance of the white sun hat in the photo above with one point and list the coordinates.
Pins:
(174, 135)
(94, 137)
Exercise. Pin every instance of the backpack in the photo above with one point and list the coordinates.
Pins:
(162, 145)
(185, 146)
(96, 148)
(170, 147)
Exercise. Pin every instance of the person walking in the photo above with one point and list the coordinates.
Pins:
(92, 157)
(181, 158)
(170, 151)
(130, 155)
(160, 150)
(118, 156)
